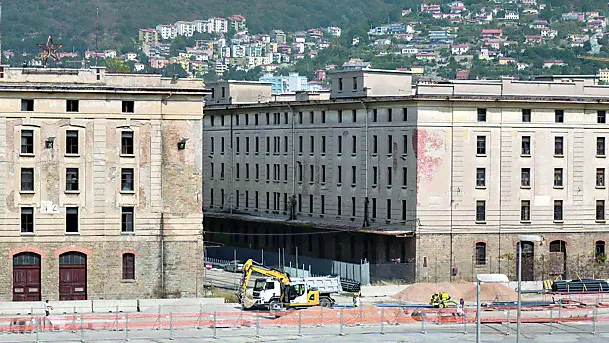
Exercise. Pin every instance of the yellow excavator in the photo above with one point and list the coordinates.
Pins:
(276, 290)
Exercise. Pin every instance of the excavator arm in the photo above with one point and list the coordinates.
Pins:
(250, 267)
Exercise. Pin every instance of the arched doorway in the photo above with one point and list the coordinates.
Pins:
(558, 259)
(26, 277)
(73, 276)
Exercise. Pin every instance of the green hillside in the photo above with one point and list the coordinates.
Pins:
(73, 21)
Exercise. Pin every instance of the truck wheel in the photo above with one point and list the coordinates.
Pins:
(442, 305)
(274, 305)
(325, 302)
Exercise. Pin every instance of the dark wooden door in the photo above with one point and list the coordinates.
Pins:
(72, 276)
(528, 261)
(558, 259)
(26, 277)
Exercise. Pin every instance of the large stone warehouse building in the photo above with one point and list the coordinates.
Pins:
(442, 175)
(101, 184)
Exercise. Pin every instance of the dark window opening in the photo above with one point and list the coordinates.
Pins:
(128, 266)
(71, 179)
(127, 219)
(71, 105)
(71, 142)
(128, 106)
(71, 219)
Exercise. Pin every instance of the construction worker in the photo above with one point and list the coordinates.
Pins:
(460, 307)
(356, 301)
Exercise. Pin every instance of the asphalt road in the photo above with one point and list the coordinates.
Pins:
(331, 333)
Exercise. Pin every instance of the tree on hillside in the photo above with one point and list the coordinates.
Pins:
(116, 65)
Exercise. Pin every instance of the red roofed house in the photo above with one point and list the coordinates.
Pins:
(492, 33)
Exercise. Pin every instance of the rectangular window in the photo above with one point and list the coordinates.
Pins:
(223, 92)
(340, 116)
(312, 144)
(311, 173)
(299, 202)
(221, 198)
(312, 117)
(257, 171)
(237, 198)
(480, 254)
(268, 200)
(222, 145)
(71, 219)
(256, 202)
(354, 147)
(481, 114)
(388, 208)
(128, 266)
(211, 144)
(255, 118)
(247, 118)
(323, 117)
(404, 114)
(355, 83)
(375, 115)
(71, 105)
(285, 144)
(374, 144)
(558, 177)
(403, 209)
(27, 105)
(299, 172)
(285, 172)
(353, 206)
(526, 115)
(311, 203)
(526, 145)
(27, 141)
(268, 118)
(339, 205)
(213, 119)
(389, 176)
(374, 175)
(525, 177)
(323, 204)
(340, 144)
(525, 211)
(237, 171)
(354, 116)
(268, 172)
(601, 117)
(300, 144)
(481, 145)
(600, 146)
(558, 210)
(559, 116)
(128, 106)
(558, 146)
(353, 175)
(480, 211)
(600, 210)
(405, 145)
(247, 171)
(127, 181)
(237, 145)
(27, 179)
(127, 143)
(481, 177)
(222, 120)
(323, 174)
(127, 219)
(340, 175)
(373, 208)
(600, 177)
(323, 144)
(389, 144)
(268, 145)
(27, 220)
(71, 179)
(211, 197)
(404, 176)
(389, 115)
(340, 84)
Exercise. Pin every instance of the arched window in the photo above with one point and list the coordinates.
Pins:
(481, 253)
(599, 251)
(128, 266)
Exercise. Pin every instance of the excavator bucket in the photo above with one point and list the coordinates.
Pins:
(248, 302)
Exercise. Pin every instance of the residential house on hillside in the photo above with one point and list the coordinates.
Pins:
(492, 33)
(355, 64)
(551, 63)
(459, 49)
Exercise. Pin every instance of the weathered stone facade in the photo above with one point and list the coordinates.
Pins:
(462, 168)
(167, 185)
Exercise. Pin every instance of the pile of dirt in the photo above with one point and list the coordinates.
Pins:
(422, 292)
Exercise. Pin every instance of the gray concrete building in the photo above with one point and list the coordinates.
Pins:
(101, 184)
(441, 175)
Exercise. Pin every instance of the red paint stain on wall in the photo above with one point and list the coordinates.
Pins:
(424, 144)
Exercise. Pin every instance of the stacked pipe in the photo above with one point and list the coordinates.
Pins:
(579, 286)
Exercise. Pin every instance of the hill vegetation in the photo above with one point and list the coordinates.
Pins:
(27, 22)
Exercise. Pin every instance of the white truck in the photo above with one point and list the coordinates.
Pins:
(299, 292)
